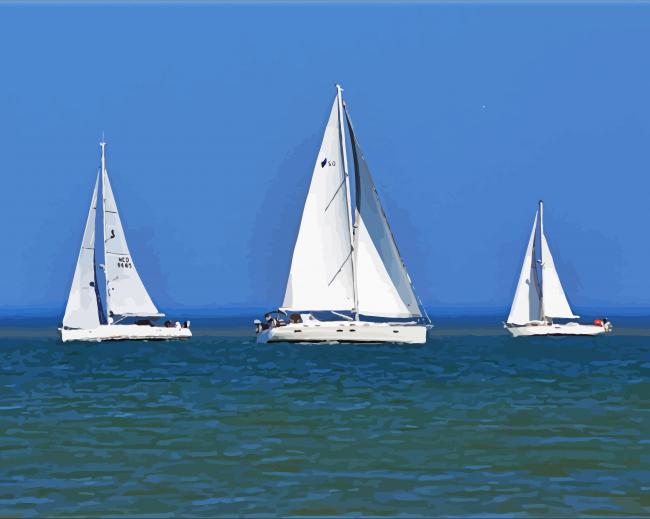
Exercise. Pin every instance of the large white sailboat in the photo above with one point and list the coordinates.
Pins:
(347, 283)
(130, 310)
(540, 299)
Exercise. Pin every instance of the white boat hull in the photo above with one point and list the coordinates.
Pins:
(345, 331)
(556, 329)
(124, 332)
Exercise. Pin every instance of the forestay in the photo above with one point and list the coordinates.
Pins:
(83, 309)
(526, 305)
(383, 285)
(126, 295)
(321, 268)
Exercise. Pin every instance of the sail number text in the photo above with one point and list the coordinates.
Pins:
(124, 262)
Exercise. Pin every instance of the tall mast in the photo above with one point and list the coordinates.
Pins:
(102, 144)
(339, 96)
(541, 261)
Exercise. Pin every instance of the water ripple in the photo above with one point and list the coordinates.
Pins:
(465, 425)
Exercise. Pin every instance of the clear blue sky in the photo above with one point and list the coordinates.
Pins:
(468, 114)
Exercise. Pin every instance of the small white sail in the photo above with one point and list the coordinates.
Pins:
(125, 293)
(555, 301)
(321, 268)
(383, 285)
(526, 304)
(83, 308)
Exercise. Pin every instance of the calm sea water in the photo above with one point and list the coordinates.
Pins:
(472, 423)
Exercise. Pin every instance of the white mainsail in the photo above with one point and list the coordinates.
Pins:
(383, 285)
(526, 306)
(555, 301)
(125, 293)
(534, 300)
(83, 309)
(321, 275)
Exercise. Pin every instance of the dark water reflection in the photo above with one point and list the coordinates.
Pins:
(476, 424)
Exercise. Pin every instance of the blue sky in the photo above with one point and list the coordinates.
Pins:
(467, 114)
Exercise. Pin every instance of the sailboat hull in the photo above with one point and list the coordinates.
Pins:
(125, 332)
(556, 329)
(345, 332)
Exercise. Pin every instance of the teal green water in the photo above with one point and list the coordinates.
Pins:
(472, 423)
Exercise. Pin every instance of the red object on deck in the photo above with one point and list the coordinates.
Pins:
(598, 322)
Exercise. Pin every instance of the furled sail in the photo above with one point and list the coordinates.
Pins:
(555, 301)
(83, 309)
(125, 293)
(383, 285)
(526, 305)
(321, 268)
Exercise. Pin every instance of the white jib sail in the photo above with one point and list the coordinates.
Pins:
(383, 285)
(526, 304)
(82, 310)
(125, 293)
(321, 268)
(555, 301)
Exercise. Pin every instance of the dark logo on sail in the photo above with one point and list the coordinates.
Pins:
(124, 262)
(326, 162)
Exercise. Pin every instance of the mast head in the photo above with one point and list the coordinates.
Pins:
(339, 88)
(102, 144)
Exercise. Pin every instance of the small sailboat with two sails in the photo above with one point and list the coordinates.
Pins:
(130, 310)
(540, 299)
(347, 282)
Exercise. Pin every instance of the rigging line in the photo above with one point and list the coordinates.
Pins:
(335, 193)
(341, 267)
(426, 314)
